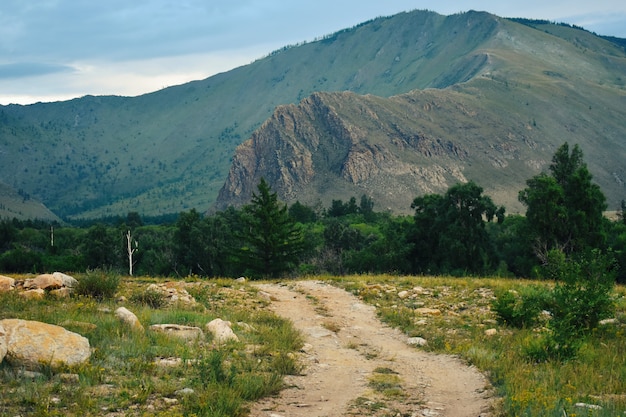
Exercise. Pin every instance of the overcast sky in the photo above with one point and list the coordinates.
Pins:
(54, 50)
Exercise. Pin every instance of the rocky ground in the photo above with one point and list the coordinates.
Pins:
(357, 366)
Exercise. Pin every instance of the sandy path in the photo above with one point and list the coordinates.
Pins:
(345, 345)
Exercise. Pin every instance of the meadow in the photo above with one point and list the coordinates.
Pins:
(147, 373)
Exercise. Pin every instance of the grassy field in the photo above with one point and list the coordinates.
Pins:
(458, 321)
(128, 373)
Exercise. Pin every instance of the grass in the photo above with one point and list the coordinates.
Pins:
(597, 375)
(126, 374)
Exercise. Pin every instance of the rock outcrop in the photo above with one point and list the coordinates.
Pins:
(6, 284)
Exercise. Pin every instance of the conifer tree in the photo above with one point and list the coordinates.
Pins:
(272, 239)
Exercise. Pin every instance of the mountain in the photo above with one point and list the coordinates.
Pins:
(522, 92)
(19, 205)
(493, 98)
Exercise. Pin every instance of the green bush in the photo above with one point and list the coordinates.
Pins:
(521, 309)
(150, 297)
(99, 284)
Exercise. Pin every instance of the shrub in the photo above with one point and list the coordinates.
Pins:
(99, 284)
(521, 309)
(582, 297)
(150, 297)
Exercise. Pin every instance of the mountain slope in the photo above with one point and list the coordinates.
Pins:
(171, 150)
(533, 93)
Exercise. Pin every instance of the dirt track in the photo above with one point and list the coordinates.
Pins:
(347, 346)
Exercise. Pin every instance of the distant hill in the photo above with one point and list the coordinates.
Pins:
(494, 97)
(19, 205)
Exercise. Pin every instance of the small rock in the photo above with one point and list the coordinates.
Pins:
(417, 341)
(64, 292)
(491, 332)
(128, 317)
(403, 294)
(185, 391)
(588, 406)
(69, 378)
(221, 331)
(180, 331)
(428, 311)
(241, 279)
(608, 321)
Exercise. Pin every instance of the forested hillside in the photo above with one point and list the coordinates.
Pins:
(503, 93)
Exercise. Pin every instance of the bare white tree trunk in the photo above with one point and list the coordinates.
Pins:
(131, 251)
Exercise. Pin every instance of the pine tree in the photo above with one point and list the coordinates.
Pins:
(272, 239)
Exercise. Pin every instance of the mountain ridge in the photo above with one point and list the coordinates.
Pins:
(171, 150)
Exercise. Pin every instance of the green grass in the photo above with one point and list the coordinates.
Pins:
(123, 374)
(597, 375)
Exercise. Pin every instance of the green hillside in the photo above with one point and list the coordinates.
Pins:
(171, 150)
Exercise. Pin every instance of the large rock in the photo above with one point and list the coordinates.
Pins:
(128, 317)
(36, 294)
(6, 284)
(3, 343)
(31, 344)
(178, 330)
(44, 282)
(66, 280)
(221, 330)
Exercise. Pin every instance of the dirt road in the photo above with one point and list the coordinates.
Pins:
(357, 366)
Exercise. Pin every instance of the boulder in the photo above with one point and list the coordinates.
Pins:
(66, 280)
(178, 330)
(6, 284)
(46, 282)
(36, 294)
(128, 317)
(31, 344)
(64, 292)
(221, 331)
(3, 343)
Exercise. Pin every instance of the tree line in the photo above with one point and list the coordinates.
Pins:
(461, 232)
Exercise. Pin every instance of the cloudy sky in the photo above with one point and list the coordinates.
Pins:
(54, 50)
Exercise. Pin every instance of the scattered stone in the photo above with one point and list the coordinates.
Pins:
(121, 299)
(246, 326)
(6, 284)
(173, 293)
(79, 325)
(178, 330)
(241, 279)
(32, 343)
(128, 317)
(36, 294)
(588, 406)
(23, 373)
(428, 311)
(170, 401)
(608, 321)
(184, 392)
(168, 362)
(70, 378)
(64, 292)
(403, 294)
(417, 341)
(491, 332)
(267, 296)
(221, 331)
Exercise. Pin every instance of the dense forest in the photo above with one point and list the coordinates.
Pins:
(459, 233)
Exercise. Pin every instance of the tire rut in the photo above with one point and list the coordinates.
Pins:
(356, 365)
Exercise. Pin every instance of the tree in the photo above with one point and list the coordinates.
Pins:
(191, 251)
(450, 230)
(272, 239)
(564, 209)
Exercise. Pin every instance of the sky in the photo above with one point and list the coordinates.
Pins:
(52, 50)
